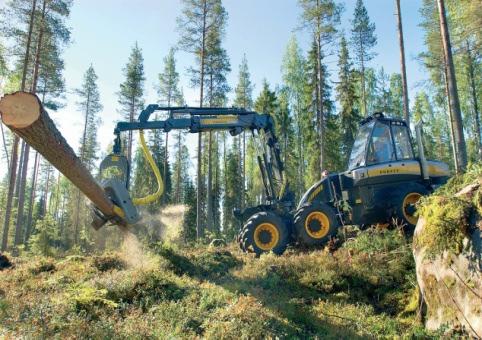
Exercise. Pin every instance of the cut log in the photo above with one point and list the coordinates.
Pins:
(24, 114)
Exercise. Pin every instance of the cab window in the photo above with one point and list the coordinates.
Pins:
(380, 148)
(357, 156)
(401, 138)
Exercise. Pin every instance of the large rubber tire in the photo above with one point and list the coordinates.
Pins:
(264, 232)
(405, 210)
(315, 224)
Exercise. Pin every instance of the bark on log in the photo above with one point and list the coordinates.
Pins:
(24, 114)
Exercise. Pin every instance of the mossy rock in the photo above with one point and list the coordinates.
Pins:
(447, 249)
(446, 224)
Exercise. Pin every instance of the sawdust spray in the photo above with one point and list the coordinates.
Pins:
(168, 224)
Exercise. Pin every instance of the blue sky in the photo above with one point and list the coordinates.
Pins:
(104, 32)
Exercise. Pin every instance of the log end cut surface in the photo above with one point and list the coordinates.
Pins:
(19, 109)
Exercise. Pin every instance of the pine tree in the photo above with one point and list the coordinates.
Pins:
(459, 139)
(132, 91)
(216, 88)
(405, 105)
(363, 39)
(346, 96)
(198, 19)
(243, 98)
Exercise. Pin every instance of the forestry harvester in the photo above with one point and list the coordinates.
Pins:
(384, 179)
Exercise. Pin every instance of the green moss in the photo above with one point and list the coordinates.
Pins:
(446, 225)
(88, 298)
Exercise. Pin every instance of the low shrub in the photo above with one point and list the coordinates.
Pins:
(108, 262)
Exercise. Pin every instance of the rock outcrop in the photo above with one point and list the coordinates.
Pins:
(447, 247)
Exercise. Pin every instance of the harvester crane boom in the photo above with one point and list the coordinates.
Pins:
(196, 120)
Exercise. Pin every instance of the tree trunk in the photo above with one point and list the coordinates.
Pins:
(166, 154)
(319, 105)
(178, 175)
(243, 192)
(82, 156)
(21, 197)
(23, 113)
(473, 92)
(406, 112)
(20, 167)
(32, 198)
(199, 227)
(5, 146)
(451, 120)
(13, 165)
(8, 207)
(209, 219)
(26, 151)
(43, 209)
(453, 93)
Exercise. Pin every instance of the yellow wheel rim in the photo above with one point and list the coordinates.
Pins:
(266, 236)
(409, 200)
(317, 225)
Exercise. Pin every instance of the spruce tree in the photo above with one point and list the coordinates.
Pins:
(363, 39)
(132, 91)
(322, 18)
(346, 97)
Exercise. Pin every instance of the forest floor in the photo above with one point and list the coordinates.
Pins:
(366, 288)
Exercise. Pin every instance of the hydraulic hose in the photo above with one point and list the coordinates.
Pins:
(160, 184)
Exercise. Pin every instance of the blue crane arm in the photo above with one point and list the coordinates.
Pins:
(234, 120)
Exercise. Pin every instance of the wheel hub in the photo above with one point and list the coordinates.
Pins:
(317, 225)
(266, 236)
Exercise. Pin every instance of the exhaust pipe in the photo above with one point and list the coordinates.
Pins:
(423, 160)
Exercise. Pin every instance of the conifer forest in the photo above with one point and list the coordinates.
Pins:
(191, 267)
